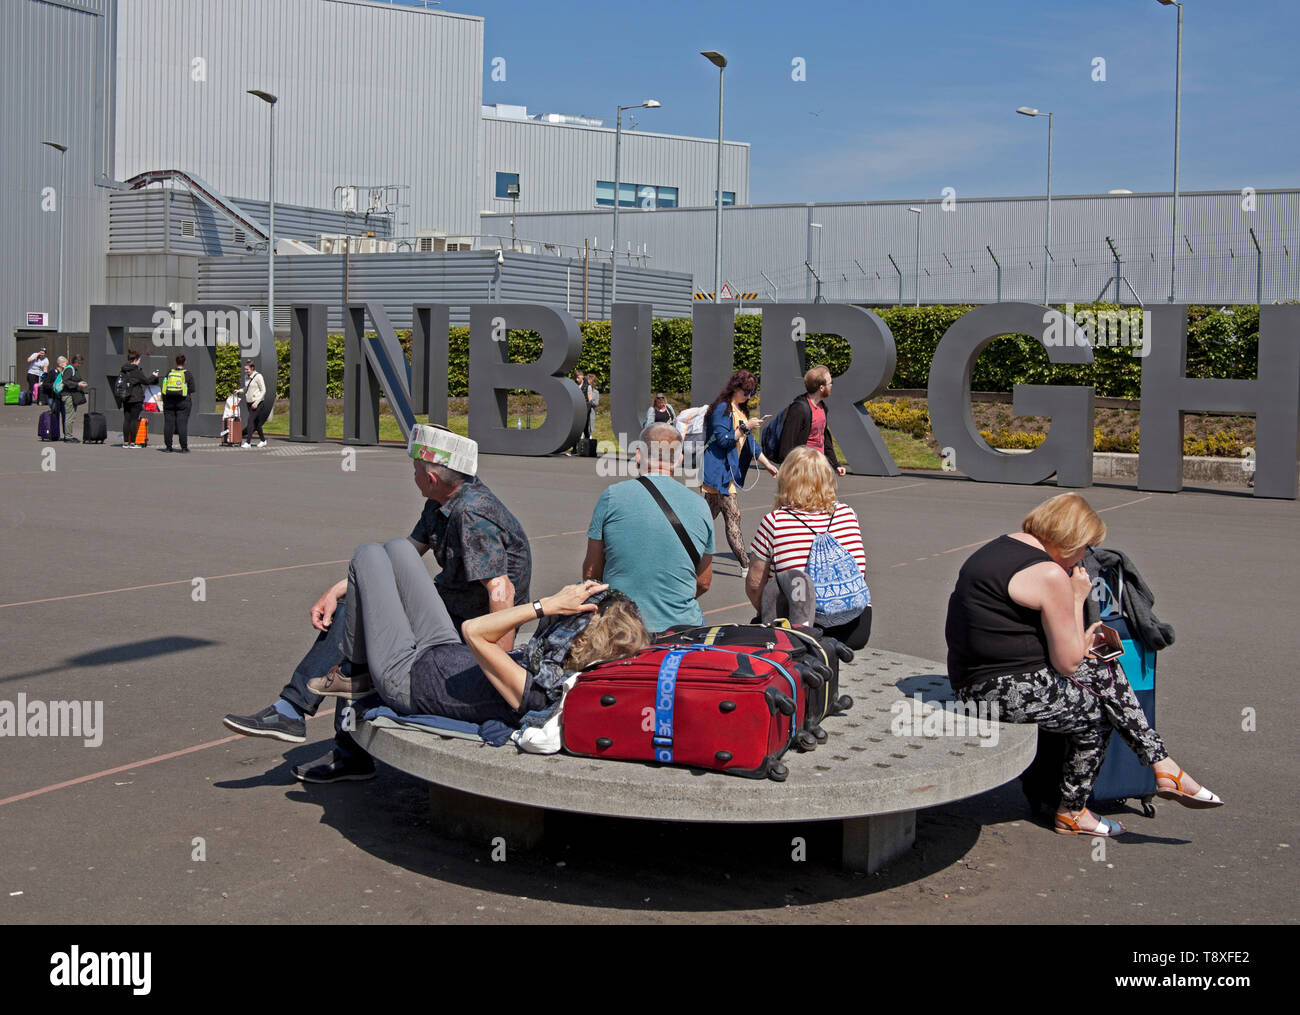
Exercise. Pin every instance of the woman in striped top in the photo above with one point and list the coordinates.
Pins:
(805, 507)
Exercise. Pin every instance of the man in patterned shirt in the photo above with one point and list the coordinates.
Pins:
(486, 566)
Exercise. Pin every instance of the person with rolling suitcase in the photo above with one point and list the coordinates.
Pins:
(1017, 640)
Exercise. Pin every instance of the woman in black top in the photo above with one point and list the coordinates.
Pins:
(1016, 638)
(135, 382)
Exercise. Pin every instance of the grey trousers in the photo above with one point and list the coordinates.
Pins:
(789, 594)
(393, 613)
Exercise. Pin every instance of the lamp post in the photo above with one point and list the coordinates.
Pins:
(1178, 123)
(719, 61)
(62, 149)
(1047, 243)
(270, 100)
(618, 140)
(917, 269)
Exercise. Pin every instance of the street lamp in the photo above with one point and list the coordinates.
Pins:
(917, 269)
(618, 139)
(1178, 123)
(270, 100)
(719, 61)
(63, 175)
(1047, 243)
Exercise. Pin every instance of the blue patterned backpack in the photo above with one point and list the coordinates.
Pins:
(841, 591)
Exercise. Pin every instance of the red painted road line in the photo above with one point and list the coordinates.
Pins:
(134, 765)
(159, 585)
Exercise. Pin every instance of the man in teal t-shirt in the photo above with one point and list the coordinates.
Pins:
(632, 545)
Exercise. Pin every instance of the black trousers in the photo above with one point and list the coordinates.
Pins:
(256, 417)
(131, 413)
(176, 423)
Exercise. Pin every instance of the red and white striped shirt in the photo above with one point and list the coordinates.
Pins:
(783, 539)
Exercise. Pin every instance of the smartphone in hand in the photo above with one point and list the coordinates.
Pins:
(1106, 644)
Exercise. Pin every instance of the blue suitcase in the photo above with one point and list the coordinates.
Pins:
(1122, 776)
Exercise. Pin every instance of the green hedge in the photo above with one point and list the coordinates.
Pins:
(1219, 345)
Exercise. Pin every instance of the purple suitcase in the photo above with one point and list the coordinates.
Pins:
(47, 429)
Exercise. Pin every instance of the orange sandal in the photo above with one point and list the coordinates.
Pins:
(1106, 829)
(1202, 798)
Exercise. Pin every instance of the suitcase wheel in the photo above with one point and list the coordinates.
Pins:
(811, 677)
(844, 703)
(604, 743)
(844, 652)
(723, 756)
(1148, 808)
(608, 699)
(778, 772)
(819, 733)
(805, 741)
(726, 706)
(778, 702)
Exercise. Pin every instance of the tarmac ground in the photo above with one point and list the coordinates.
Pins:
(171, 819)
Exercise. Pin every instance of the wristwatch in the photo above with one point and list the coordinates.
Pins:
(537, 608)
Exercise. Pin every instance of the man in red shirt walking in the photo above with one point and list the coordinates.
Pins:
(805, 419)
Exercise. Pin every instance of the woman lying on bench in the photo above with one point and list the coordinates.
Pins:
(405, 647)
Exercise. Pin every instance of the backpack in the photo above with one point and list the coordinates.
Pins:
(175, 383)
(690, 423)
(841, 591)
(771, 439)
(122, 387)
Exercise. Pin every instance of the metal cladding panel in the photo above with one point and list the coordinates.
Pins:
(368, 95)
(559, 164)
(155, 220)
(48, 59)
(400, 280)
(851, 251)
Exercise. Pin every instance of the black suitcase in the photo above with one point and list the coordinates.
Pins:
(94, 427)
(585, 448)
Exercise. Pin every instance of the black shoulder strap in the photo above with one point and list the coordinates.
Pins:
(673, 520)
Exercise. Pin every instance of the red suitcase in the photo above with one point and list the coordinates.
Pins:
(816, 657)
(725, 709)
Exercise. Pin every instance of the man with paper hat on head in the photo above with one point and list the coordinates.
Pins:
(486, 566)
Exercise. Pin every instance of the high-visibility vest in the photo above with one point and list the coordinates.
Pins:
(175, 384)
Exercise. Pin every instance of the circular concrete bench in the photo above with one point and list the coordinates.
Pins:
(876, 770)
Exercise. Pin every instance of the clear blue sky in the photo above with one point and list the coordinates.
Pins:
(914, 97)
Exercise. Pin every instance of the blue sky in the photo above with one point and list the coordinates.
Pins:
(903, 99)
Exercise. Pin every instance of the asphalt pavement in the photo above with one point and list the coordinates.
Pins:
(175, 588)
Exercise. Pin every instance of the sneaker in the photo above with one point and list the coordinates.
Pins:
(165, 451)
(334, 767)
(335, 685)
(245, 445)
(261, 444)
(71, 440)
(269, 723)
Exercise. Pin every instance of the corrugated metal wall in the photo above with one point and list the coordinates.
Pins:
(400, 280)
(368, 95)
(151, 221)
(1216, 262)
(49, 55)
(559, 164)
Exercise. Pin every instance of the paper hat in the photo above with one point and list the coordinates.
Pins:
(439, 446)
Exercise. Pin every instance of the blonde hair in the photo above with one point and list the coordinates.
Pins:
(613, 634)
(805, 482)
(1066, 521)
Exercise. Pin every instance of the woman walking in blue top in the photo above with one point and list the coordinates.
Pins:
(726, 429)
